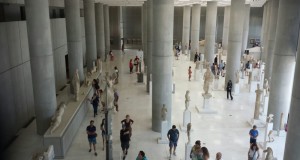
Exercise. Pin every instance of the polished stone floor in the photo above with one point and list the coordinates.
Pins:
(226, 131)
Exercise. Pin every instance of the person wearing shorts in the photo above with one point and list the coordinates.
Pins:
(124, 138)
(253, 133)
(173, 136)
(91, 132)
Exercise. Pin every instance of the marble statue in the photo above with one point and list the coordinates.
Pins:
(187, 99)
(237, 76)
(99, 65)
(163, 113)
(270, 118)
(281, 127)
(206, 64)
(257, 102)
(266, 86)
(207, 79)
(108, 93)
(76, 84)
(269, 155)
(44, 155)
(270, 135)
(198, 65)
(56, 119)
(189, 127)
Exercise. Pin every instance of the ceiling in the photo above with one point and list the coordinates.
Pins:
(253, 3)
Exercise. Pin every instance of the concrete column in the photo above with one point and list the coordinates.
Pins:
(106, 30)
(144, 34)
(234, 39)
(41, 61)
(121, 25)
(186, 28)
(149, 41)
(246, 28)
(271, 38)
(226, 28)
(292, 142)
(73, 25)
(284, 59)
(100, 36)
(210, 30)
(265, 32)
(163, 14)
(263, 25)
(196, 11)
(90, 33)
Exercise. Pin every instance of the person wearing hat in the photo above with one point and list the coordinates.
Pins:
(173, 136)
(124, 138)
(253, 135)
(91, 132)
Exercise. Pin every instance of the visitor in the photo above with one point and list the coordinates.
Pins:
(141, 156)
(247, 68)
(136, 63)
(199, 56)
(91, 132)
(190, 72)
(130, 66)
(216, 60)
(116, 99)
(212, 68)
(196, 151)
(173, 136)
(229, 89)
(253, 153)
(95, 85)
(224, 70)
(128, 122)
(103, 132)
(95, 103)
(111, 56)
(253, 135)
(205, 153)
(124, 138)
(196, 57)
(117, 74)
(219, 156)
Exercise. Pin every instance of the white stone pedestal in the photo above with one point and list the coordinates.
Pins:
(236, 88)
(263, 145)
(257, 122)
(188, 148)
(201, 66)
(252, 87)
(206, 107)
(197, 74)
(264, 109)
(163, 133)
(187, 118)
(216, 84)
(281, 133)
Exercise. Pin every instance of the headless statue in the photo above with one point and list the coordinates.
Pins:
(207, 79)
(56, 119)
(164, 112)
(76, 84)
(187, 99)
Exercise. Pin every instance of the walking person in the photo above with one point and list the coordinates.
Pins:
(205, 153)
(130, 66)
(117, 75)
(91, 132)
(95, 103)
(253, 133)
(141, 156)
(128, 122)
(116, 99)
(196, 57)
(219, 156)
(253, 153)
(173, 136)
(136, 63)
(124, 138)
(103, 132)
(196, 152)
(190, 72)
(229, 88)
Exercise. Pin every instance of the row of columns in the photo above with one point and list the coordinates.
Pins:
(41, 54)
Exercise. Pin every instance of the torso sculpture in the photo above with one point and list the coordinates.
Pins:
(164, 113)
(207, 79)
(237, 76)
(189, 127)
(269, 155)
(266, 86)
(270, 118)
(257, 102)
(187, 99)
(56, 119)
(108, 94)
(76, 84)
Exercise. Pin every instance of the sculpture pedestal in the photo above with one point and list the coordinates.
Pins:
(264, 109)
(236, 88)
(252, 87)
(201, 67)
(206, 107)
(197, 74)
(216, 84)
(163, 139)
(140, 77)
(257, 122)
(188, 148)
(187, 118)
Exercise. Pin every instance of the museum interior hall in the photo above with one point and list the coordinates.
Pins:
(149, 79)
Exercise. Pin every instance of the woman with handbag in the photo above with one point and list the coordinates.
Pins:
(253, 153)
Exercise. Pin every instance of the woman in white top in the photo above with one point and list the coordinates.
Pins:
(253, 153)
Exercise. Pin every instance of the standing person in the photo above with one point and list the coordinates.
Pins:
(103, 132)
(196, 152)
(124, 138)
(141, 156)
(247, 68)
(116, 99)
(128, 122)
(111, 56)
(205, 153)
(190, 72)
(219, 156)
(216, 60)
(117, 74)
(253, 153)
(229, 88)
(253, 133)
(196, 57)
(173, 136)
(136, 63)
(91, 132)
(95, 103)
(130, 66)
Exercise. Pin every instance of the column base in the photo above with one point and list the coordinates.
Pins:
(188, 148)
(163, 139)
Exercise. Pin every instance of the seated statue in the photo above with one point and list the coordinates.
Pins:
(56, 119)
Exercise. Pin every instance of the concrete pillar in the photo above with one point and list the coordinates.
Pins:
(284, 59)
(106, 30)
(210, 30)
(246, 28)
(90, 33)
(292, 142)
(163, 14)
(121, 26)
(41, 61)
(265, 32)
(144, 33)
(186, 28)
(263, 25)
(226, 28)
(149, 41)
(271, 38)
(100, 36)
(234, 39)
(196, 11)
(73, 25)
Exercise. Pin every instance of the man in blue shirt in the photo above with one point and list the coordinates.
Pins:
(253, 135)
(91, 132)
(173, 136)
